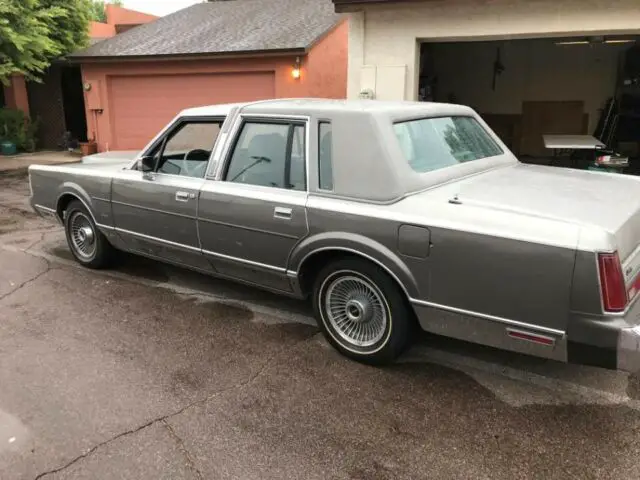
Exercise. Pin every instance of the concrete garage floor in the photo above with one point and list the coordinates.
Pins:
(151, 372)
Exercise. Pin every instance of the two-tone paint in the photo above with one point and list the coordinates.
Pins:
(492, 251)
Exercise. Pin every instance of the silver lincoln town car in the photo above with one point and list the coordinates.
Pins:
(389, 216)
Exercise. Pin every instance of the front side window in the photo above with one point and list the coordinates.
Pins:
(186, 151)
(430, 144)
(269, 155)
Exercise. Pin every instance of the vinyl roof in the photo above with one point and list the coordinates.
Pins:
(306, 106)
(224, 27)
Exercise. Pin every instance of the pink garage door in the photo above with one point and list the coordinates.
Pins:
(142, 105)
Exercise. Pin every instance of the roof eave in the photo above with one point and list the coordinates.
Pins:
(78, 58)
(345, 6)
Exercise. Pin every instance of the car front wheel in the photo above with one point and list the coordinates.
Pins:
(362, 311)
(88, 245)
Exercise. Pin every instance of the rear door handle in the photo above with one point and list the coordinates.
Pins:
(282, 212)
(184, 196)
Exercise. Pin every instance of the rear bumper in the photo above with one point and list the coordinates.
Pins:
(608, 342)
(628, 352)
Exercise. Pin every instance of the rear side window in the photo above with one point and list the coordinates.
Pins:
(325, 156)
(430, 144)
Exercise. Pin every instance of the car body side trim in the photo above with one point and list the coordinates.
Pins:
(218, 275)
(494, 318)
(199, 250)
(250, 229)
(156, 210)
(158, 240)
(105, 227)
(263, 266)
(80, 199)
(296, 274)
(50, 211)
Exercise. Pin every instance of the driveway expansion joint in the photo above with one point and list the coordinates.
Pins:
(30, 281)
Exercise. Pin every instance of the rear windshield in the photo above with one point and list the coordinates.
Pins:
(430, 144)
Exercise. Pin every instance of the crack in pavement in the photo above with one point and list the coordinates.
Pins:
(31, 280)
(183, 448)
(43, 236)
(164, 418)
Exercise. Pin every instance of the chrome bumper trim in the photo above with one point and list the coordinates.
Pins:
(629, 349)
(506, 321)
(45, 211)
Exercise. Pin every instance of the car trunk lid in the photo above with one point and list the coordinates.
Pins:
(607, 201)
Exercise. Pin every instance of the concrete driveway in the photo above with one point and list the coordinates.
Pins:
(152, 372)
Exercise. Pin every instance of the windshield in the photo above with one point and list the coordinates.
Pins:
(433, 143)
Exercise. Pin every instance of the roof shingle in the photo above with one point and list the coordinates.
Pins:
(229, 26)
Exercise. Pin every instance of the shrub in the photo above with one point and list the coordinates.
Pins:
(16, 127)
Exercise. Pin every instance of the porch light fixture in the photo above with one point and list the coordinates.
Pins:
(296, 72)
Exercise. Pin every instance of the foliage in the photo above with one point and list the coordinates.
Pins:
(97, 9)
(16, 127)
(33, 33)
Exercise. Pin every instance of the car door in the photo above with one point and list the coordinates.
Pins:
(155, 210)
(253, 214)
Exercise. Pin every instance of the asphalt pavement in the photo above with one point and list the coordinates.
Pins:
(151, 372)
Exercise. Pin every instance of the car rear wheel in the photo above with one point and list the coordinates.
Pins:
(362, 311)
(87, 244)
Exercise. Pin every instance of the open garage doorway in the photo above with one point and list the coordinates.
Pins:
(528, 89)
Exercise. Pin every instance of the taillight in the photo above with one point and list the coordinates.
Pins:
(612, 287)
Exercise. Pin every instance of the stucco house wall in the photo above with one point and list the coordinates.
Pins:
(323, 74)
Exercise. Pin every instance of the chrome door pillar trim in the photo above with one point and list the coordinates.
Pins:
(222, 156)
(506, 321)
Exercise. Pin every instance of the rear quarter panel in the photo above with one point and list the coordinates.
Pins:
(496, 265)
(513, 279)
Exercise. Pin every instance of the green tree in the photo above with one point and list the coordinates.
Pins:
(97, 9)
(33, 33)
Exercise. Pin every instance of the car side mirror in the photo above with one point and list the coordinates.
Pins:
(146, 164)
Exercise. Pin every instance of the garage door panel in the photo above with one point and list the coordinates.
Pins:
(142, 104)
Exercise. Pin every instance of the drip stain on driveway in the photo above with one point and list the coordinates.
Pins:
(153, 372)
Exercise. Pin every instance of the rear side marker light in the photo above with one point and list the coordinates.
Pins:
(612, 287)
(531, 337)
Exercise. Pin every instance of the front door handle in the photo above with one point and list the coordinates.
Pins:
(282, 212)
(184, 196)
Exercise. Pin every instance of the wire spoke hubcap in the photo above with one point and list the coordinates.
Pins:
(83, 237)
(356, 310)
